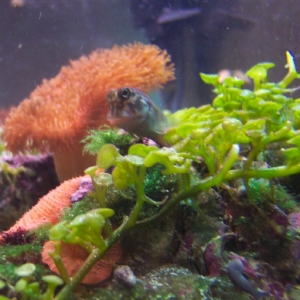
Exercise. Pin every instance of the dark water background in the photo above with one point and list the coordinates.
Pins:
(37, 37)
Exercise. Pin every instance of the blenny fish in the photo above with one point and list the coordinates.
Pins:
(133, 111)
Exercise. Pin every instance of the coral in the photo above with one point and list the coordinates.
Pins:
(73, 257)
(58, 113)
(3, 115)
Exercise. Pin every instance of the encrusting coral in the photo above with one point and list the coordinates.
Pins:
(73, 256)
(57, 114)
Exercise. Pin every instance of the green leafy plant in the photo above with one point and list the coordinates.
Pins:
(30, 289)
(212, 136)
(105, 135)
(255, 119)
(128, 170)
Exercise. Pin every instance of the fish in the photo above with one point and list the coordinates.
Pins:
(171, 15)
(189, 30)
(235, 270)
(133, 111)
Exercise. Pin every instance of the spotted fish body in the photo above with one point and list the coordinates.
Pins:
(133, 111)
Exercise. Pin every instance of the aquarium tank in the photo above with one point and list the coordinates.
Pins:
(149, 149)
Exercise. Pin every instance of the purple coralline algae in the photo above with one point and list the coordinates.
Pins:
(86, 186)
(276, 290)
(294, 219)
(212, 261)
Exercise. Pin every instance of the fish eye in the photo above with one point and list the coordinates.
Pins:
(124, 93)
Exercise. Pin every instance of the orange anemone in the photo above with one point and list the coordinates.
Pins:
(58, 113)
(73, 256)
(3, 114)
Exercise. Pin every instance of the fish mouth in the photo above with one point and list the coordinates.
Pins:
(112, 96)
(117, 111)
(127, 123)
(116, 115)
(122, 115)
(123, 118)
(117, 121)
